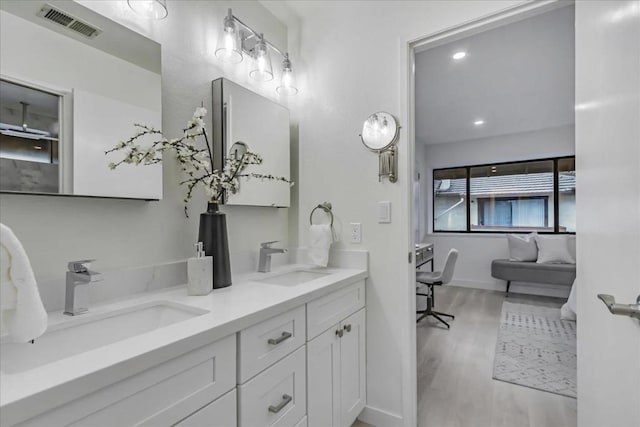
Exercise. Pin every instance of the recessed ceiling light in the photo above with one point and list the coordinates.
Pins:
(479, 122)
(459, 55)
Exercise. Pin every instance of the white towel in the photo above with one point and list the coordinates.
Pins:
(23, 317)
(320, 240)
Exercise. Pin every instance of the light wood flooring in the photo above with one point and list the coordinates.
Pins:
(455, 366)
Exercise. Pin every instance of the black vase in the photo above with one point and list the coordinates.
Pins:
(213, 235)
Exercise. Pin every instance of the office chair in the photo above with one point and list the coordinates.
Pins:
(436, 278)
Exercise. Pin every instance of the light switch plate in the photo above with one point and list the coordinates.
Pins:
(355, 232)
(384, 212)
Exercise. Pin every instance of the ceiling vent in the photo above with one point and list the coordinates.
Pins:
(68, 21)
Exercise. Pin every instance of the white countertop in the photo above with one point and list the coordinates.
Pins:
(231, 309)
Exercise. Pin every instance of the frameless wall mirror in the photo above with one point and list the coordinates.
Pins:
(380, 134)
(84, 81)
(244, 120)
(29, 130)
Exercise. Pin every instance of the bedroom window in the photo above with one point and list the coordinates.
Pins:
(525, 196)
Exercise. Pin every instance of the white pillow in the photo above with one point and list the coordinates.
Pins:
(554, 250)
(522, 247)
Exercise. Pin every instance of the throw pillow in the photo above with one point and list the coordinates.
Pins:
(522, 247)
(554, 250)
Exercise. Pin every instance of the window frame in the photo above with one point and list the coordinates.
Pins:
(555, 209)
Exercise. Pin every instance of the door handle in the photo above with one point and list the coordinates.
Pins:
(632, 310)
(276, 341)
(285, 401)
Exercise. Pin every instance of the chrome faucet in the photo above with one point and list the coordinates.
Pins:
(265, 256)
(76, 301)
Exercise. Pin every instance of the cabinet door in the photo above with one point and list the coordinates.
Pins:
(220, 413)
(352, 368)
(323, 379)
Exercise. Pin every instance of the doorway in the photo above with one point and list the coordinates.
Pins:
(453, 367)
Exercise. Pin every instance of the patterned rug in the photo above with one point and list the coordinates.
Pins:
(536, 349)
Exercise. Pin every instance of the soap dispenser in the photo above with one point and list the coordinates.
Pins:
(199, 273)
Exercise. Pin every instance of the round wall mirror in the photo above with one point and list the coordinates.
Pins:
(380, 131)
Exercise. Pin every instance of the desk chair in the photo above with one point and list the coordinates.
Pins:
(438, 278)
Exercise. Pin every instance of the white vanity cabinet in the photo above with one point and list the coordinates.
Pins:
(160, 395)
(272, 371)
(336, 379)
(220, 413)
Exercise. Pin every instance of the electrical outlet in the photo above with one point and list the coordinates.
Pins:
(356, 232)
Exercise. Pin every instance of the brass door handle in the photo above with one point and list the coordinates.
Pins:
(631, 310)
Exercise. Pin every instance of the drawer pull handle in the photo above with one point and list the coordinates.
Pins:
(347, 328)
(276, 341)
(339, 333)
(285, 401)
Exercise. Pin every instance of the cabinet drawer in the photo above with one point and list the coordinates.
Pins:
(221, 413)
(262, 345)
(159, 396)
(277, 396)
(328, 310)
(302, 423)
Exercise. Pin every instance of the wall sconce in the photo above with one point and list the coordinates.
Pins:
(380, 134)
(238, 38)
(153, 9)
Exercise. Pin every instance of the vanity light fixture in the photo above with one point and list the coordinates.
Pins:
(152, 9)
(459, 55)
(238, 39)
(262, 70)
(230, 44)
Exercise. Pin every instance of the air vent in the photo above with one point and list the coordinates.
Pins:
(68, 21)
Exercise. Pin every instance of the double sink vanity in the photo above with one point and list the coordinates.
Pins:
(285, 348)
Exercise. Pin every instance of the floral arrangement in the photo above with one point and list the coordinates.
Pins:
(195, 162)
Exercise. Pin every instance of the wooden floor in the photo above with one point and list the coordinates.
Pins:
(455, 366)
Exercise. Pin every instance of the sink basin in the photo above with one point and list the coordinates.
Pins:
(88, 332)
(293, 278)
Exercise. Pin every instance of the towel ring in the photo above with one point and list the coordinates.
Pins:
(326, 206)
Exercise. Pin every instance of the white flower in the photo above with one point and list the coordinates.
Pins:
(200, 112)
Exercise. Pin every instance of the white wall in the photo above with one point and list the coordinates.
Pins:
(351, 66)
(126, 233)
(473, 268)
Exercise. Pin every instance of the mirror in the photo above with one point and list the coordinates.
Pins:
(380, 131)
(244, 120)
(380, 134)
(79, 82)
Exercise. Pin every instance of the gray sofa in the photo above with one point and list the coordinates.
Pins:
(519, 271)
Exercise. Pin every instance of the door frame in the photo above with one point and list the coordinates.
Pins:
(408, 48)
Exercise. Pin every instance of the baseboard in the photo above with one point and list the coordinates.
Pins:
(558, 291)
(379, 417)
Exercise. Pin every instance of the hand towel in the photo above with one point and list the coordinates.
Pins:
(319, 243)
(23, 317)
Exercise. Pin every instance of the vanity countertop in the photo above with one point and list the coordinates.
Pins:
(231, 309)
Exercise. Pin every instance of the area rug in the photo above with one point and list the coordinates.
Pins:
(536, 349)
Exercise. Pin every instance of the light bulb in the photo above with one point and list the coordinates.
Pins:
(229, 45)
(262, 70)
(152, 9)
(287, 82)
